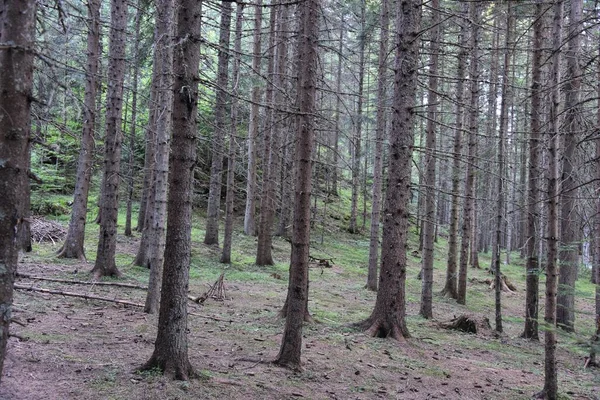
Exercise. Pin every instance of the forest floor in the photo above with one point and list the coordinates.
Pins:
(72, 348)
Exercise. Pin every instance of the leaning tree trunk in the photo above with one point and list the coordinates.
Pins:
(171, 346)
(230, 196)
(388, 316)
(156, 228)
(253, 126)
(450, 287)
(475, 10)
(109, 196)
(17, 30)
(532, 262)
(426, 310)
(569, 248)
(550, 390)
(379, 139)
(291, 343)
(73, 245)
(213, 211)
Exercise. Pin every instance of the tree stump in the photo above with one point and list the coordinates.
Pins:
(469, 324)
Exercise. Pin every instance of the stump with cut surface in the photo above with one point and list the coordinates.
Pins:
(468, 323)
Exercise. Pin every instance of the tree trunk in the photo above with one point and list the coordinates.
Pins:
(430, 161)
(379, 140)
(338, 106)
(171, 347)
(532, 267)
(550, 390)
(253, 126)
(216, 169)
(17, 30)
(267, 202)
(73, 245)
(134, 89)
(450, 288)
(568, 254)
(109, 197)
(156, 230)
(291, 343)
(388, 316)
(357, 139)
(506, 94)
(230, 196)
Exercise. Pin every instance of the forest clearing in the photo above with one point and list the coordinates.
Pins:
(72, 348)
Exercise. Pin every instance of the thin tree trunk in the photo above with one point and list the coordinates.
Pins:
(450, 287)
(216, 169)
(475, 10)
(17, 32)
(253, 127)
(430, 161)
(379, 140)
(73, 247)
(156, 230)
(291, 343)
(338, 104)
(109, 198)
(568, 254)
(171, 346)
(230, 196)
(532, 267)
(134, 89)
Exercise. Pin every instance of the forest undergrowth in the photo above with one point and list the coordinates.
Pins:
(74, 348)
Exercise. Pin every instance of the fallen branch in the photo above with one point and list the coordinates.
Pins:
(80, 295)
(209, 317)
(73, 282)
(216, 291)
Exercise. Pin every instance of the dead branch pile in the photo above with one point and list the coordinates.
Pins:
(43, 230)
(216, 292)
(468, 323)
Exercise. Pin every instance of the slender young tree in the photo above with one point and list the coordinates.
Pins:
(379, 139)
(506, 94)
(232, 153)
(430, 161)
(109, 196)
(73, 245)
(213, 211)
(569, 247)
(338, 109)
(155, 230)
(17, 30)
(253, 125)
(291, 344)
(171, 346)
(388, 316)
(532, 262)
(451, 285)
(474, 12)
(550, 390)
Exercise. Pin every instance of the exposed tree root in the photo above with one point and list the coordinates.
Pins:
(382, 328)
(174, 369)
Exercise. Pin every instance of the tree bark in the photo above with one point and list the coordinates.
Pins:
(532, 266)
(430, 161)
(73, 245)
(232, 153)
(156, 229)
(171, 346)
(388, 316)
(253, 126)
(450, 287)
(17, 30)
(475, 11)
(109, 197)
(379, 140)
(569, 252)
(338, 106)
(291, 343)
(216, 169)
